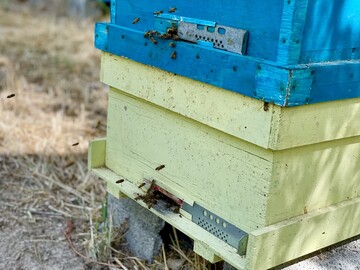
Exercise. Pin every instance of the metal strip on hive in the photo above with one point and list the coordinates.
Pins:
(222, 37)
(218, 227)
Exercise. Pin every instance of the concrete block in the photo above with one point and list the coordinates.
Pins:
(143, 235)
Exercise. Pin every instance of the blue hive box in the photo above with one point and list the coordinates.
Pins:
(287, 52)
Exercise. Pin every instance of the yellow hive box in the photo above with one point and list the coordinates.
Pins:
(288, 177)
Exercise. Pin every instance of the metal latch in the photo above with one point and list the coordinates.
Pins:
(219, 36)
(209, 33)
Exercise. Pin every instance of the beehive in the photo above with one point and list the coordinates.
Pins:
(282, 175)
(258, 183)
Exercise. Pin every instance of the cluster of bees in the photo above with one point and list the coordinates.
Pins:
(171, 32)
(153, 196)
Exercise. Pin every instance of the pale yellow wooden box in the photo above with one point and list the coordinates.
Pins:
(289, 177)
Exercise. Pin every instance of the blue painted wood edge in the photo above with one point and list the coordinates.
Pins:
(287, 86)
(113, 11)
(291, 31)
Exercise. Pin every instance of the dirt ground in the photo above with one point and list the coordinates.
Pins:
(51, 67)
(51, 105)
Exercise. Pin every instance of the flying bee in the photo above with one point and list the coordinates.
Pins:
(136, 20)
(75, 144)
(153, 40)
(158, 168)
(173, 56)
(171, 10)
(119, 181)
(157, 13)
(11, 96)
(141, 185)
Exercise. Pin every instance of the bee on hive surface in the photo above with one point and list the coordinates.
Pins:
(138, 197)
(141, 185)
(158, 12)
(171, 10)
(172, 44)
(158, 168)
(266, 106)
(153, 40)
(136, 20)
(119, 181)
(173, 55)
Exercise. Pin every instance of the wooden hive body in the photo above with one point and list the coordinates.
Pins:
(297, 52)
(282, 175)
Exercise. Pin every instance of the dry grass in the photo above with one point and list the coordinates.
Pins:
(49, 63)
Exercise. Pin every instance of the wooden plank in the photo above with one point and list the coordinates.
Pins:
(302, 235)
(240, 116)
(206, 252)
(232, 113)
(220, 248)
(264, 30)
(312, 177)
(335, 30)
(96, 153)
(228, 176)
(317, 122)
(291, 31)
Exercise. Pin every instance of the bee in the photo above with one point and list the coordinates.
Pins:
(11, 96)
(119, 181)
(153, 40)
(150, 33)
(305, 210)
(171, 10)
(158, 168)
(173, 56)
(266, 106)
(172, 45)
(69, 164)
(75, 144)
(136, 20)
(141, 185)
(157, 13)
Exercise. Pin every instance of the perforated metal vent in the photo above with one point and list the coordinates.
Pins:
(207, 225)
(218, 227)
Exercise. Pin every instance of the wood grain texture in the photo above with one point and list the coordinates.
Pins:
(227, 175)
(291, 31)
(316, 123)
(288, 40)
(235, 114)
(239, 14)
(206, 252)
(231, 113)
(97, 153)
(331, 31)
(312, 177)
(293, 238)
